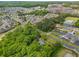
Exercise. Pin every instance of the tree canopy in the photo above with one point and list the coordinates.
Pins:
(24, 41)
(39, 12)
(77, 24)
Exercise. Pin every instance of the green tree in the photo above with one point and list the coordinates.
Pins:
(77, 24)
(39, 12)
(46, 25)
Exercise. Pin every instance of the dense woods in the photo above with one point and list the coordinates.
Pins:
(32, 4)
(24, 41)
(49, 24)
(46, 25)
(23, 4)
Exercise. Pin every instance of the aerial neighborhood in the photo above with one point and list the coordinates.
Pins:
(53, 10)
(48, 25)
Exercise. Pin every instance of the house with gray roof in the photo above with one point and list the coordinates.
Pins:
(7, 23)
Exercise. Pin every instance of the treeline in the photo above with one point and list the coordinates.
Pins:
(33, 3)
(23, 4)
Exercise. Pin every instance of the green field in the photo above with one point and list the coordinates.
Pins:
(71, 18)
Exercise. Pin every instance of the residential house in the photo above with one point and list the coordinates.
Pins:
(7, 23)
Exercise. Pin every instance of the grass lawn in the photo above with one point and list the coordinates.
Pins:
(63, 51)
(71, 18)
